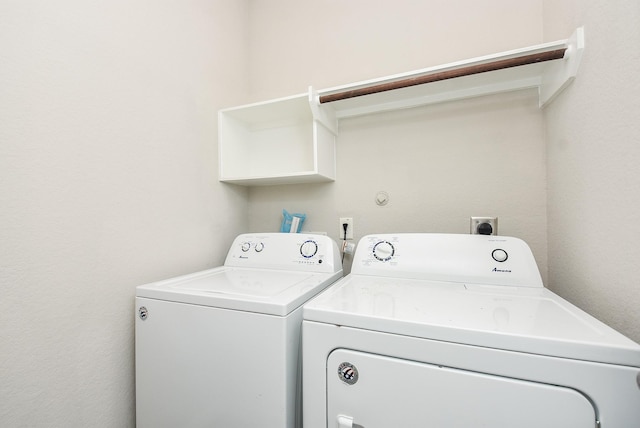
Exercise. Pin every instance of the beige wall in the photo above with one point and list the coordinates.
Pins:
(108, 171)
(593, 157)
(326, 43)
(440, 164)
(107, 180)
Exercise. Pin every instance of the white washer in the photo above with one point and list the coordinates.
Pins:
(458, 331)
(221, 347)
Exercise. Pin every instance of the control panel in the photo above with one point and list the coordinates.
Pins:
(290, 251)
(477, 259)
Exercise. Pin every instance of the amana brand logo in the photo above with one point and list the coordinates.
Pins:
(501, 270)
(348, 373)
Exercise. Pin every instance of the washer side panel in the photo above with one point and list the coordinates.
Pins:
(202, 366)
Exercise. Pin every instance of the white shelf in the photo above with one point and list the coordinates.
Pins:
(287, 140)
(550, 77)
(292, 140)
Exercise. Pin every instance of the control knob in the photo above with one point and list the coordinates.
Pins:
(308, 249)
(383, 250)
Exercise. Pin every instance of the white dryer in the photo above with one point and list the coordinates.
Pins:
(221, 347)
(457, 331)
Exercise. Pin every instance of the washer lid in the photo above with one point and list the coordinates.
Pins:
(266, 291)
(531, 320)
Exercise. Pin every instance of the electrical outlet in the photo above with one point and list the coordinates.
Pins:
(484, 226)
(349, 222)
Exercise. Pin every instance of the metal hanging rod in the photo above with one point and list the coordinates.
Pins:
(447, 74)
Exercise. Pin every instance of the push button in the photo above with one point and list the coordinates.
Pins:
(499, 255)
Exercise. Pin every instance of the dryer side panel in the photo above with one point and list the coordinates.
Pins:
(400, 393)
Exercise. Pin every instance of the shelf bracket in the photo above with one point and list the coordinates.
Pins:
(325, 116)
(560, 74)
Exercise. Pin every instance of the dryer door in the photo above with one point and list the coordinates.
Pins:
(373, 391)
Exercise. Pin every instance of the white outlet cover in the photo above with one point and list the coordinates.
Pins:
(476, 221)
(349, 221)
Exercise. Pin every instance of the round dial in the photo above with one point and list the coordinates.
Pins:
(499, 255)
(308, 249)
(259, 247)
(383, 250)
(245, 246)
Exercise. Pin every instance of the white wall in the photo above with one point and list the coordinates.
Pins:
(593, 157)
(440, 164)
(108, 162)
(326, 43)
(108, 179)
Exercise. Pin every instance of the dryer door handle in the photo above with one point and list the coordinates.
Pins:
(347, 422)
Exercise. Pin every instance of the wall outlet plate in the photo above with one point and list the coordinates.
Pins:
(484, 226)
(349, 222)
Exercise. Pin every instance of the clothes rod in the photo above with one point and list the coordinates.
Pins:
(447, 74)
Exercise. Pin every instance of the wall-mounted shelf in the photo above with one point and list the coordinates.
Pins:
(292, 140)
(550, 67)
(287, 140)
